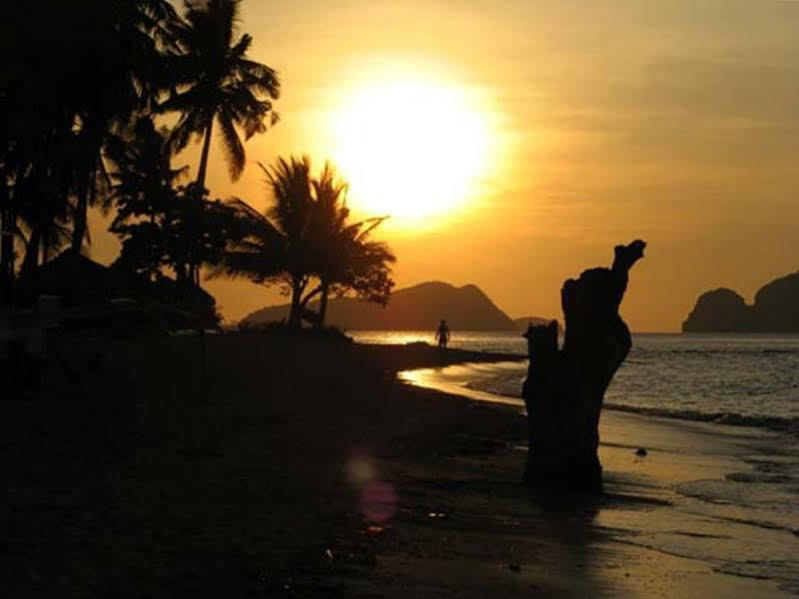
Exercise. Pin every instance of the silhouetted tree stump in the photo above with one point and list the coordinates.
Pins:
(565, 388)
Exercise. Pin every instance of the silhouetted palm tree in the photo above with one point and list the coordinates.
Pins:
(44, 176)
(43, 212)
(144, 188)
(290, 214)
(74, 74)
(275, 247)
(120, 73)
(344, 258)
(256, 251)
(306, 236)
(216, 82)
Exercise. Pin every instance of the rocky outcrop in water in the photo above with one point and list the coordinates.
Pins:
(721, 311)
(776, 310)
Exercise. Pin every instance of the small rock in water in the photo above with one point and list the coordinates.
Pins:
(640, 452)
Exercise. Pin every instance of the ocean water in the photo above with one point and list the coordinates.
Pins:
(733, 379)
(721, 425)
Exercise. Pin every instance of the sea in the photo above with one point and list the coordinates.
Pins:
(733, 379)
(724, 410)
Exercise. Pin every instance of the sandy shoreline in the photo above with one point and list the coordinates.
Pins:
(127, 483)
(687, 474)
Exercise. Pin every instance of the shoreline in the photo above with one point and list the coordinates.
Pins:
(452, 379)
(684, 458)
(312, 470)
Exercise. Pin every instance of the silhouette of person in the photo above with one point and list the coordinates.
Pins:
(442, 335)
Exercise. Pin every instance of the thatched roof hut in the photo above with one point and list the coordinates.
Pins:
(76, 279)
(82, 284)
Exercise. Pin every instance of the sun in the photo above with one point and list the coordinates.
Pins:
(411, 148)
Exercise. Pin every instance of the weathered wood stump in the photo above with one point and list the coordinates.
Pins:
(565, 388)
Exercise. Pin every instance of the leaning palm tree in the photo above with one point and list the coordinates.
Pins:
(215, 82)
(275, 247)
(290, 215)
(345, 259)
(306, 243)
(256, 249)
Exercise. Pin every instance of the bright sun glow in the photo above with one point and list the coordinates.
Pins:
(411, 149)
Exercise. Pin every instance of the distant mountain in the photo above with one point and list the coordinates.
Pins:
(420, 307)
(525, 321)
(776, 310)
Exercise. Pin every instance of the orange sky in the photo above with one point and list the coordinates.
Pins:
(676, 122)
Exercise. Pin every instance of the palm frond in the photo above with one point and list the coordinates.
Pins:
(231, 145)
(213, 78)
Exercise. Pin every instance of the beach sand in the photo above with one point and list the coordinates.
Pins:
(310, 470)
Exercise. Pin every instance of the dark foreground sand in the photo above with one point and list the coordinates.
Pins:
(309, 471)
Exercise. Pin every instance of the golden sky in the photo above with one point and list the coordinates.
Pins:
(586, 123)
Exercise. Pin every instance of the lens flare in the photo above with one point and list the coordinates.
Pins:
(379, 502)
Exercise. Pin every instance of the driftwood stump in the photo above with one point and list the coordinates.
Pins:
(565, 388)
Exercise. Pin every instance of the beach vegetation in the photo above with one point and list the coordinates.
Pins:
(307, 243)
(80, 97)
(97, 102)
(215, 82)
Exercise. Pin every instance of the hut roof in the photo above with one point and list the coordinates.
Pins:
(74, 278)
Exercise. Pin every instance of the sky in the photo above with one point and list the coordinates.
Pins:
(593, 123)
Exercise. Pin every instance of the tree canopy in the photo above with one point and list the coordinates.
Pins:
(307, 243)
(85, 92)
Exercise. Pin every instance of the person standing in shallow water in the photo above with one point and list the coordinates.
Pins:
(442, 335)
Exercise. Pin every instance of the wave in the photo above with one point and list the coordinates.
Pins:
(712, 352)
(776, 423)
(764, 523)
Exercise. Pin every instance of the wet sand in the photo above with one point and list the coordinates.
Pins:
(687, 503)
(311, 471)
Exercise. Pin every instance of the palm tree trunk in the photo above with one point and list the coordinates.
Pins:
(8, 224)
(45, 249)
(79, 218)
(320, 323)
(295, 316)
(31, 260)
(151, 252)
(204, 156)
(180, 271)
(80, 224)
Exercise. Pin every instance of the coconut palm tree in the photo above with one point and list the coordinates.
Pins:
(344, 259)
(290, 214)
(44, 216)
(275, 248)
(113, 86)
(306, 242)
(257, 249)
(144, 190)
(76, 73)
(216, 82)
